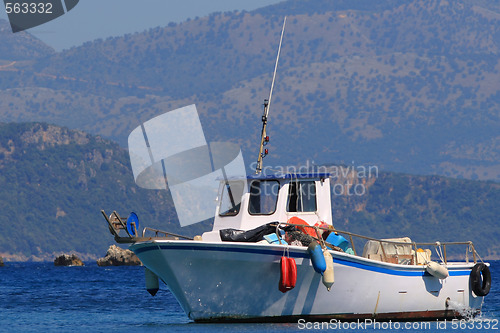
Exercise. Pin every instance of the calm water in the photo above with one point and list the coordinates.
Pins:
(38, 297)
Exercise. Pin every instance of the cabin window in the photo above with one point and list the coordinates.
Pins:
(231, 198)
(301, 196)
(263, 197)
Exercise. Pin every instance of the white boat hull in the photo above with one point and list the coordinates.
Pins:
(239, 282)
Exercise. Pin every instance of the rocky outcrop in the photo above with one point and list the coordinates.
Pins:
(116, 256)
(1, 261)
(68, 260)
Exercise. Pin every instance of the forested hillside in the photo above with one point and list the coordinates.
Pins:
(424, 208)
(55, 181)
(53, 184)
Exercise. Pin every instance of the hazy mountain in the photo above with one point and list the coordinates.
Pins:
(20, 46)
(409, 86)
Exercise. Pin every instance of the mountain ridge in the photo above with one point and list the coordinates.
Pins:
(55, 181)
(22, 45)
(408, 86)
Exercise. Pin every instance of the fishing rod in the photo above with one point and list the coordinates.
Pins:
(264, 139)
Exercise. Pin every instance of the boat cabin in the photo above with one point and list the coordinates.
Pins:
(246, 204)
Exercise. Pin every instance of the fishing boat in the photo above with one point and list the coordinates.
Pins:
(274, 255)
(224, 279)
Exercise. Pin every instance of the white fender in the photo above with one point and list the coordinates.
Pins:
(328, 276)
(435, 269)
(152, 283)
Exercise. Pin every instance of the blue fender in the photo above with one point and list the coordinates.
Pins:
(317, 258)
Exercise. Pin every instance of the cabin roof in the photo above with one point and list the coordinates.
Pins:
(310, 175)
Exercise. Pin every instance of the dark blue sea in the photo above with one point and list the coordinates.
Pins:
(39, 297)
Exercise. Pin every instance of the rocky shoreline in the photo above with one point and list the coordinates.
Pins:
(116, 256)
(68, 260)
(44, 257)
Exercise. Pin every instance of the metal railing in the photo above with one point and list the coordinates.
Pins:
(117, 223)
(166, 234)
(442, 254)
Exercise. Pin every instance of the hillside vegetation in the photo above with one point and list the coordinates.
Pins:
(55, 181)
(409, 86)
(424, 208)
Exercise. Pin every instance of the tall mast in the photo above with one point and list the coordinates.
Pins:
(267, 104)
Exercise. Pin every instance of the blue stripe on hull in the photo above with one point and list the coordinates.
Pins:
(279, 253)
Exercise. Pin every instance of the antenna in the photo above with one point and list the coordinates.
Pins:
(267, 104)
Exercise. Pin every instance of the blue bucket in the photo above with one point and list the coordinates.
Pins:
(337, 240)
